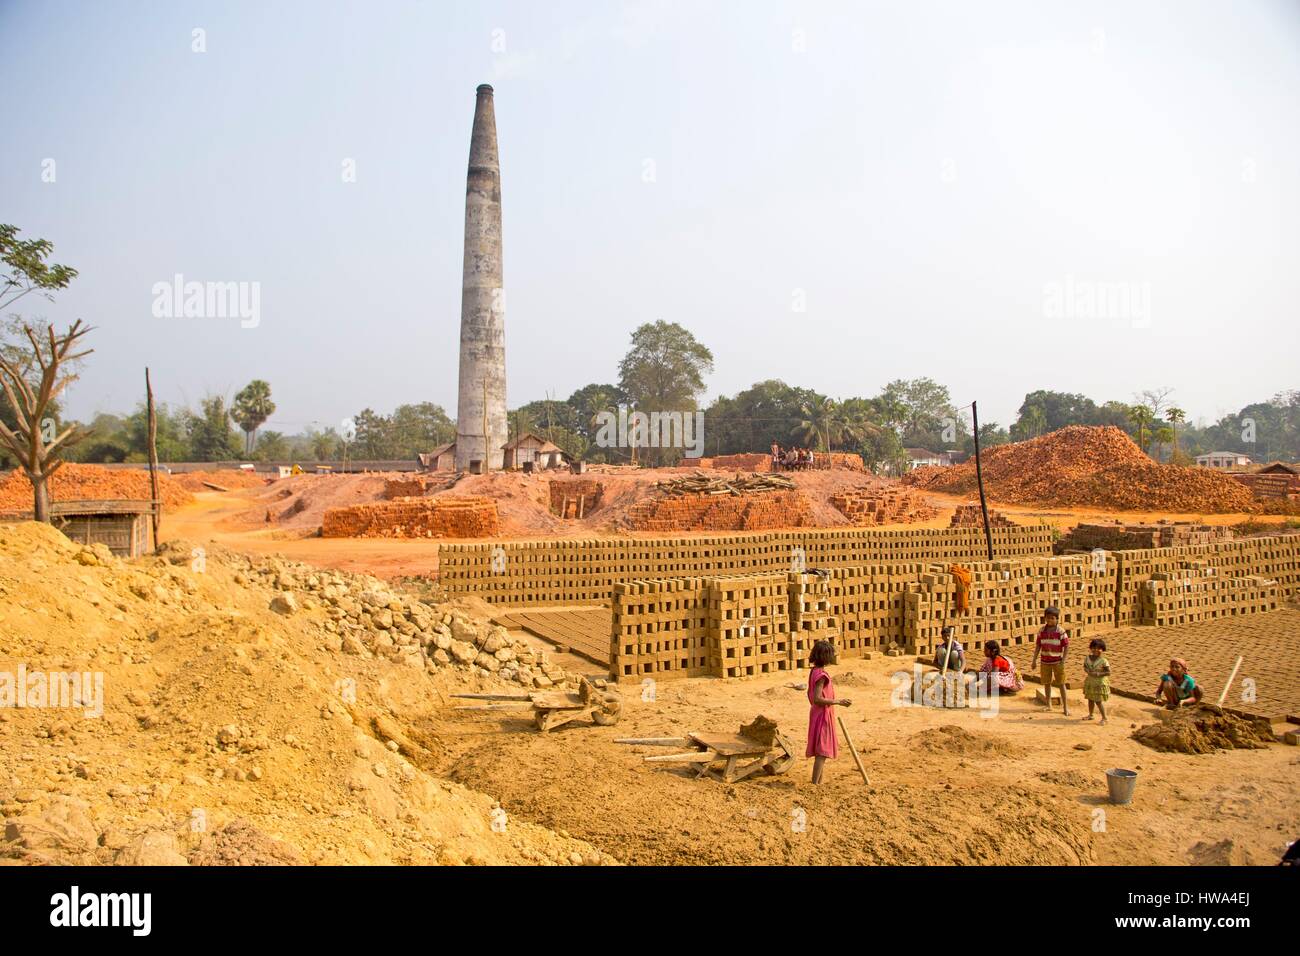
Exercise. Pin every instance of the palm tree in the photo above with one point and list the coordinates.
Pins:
(1176, 417)
(821, 422)
(1140, 416)
(251, 408)
(1035, 421)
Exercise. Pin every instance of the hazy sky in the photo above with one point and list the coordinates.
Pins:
(940, 187)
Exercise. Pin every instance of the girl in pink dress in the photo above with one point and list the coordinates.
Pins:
(822, 742)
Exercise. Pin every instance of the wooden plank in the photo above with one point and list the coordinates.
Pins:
(729, 745)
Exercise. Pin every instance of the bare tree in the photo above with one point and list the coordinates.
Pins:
(34, 439)
(1156, 399)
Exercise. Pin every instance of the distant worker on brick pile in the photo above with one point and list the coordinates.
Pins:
(1052, 645)
(776, 456)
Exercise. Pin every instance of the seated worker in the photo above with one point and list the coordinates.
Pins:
(999, 671)
(956, 658)
(1177, 686)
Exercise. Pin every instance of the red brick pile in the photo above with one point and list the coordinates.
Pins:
(404, 488)
(1278, 486)
(867, 507)
(840, 460)
(761, 511)
(446, 517)
(756, 462)
(1088, 466)
(970, 516)
(94, 482)
(575, 497)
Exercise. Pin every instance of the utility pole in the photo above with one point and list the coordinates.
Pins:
(979, 479)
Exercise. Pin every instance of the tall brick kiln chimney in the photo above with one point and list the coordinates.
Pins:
(481, 407)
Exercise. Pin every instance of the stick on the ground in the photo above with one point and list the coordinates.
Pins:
(853, 750)
(1223, 695)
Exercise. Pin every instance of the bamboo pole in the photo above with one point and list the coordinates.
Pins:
(853, 750)
(1223, 694)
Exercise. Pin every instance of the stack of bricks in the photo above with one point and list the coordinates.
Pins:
(1276, 558)
(1271, 485)
(844, 461)
(584, 571)
(404, 488)
(754, 462)
(811, 618)
(868, 603)
(660, 629)
(1133, 537)
(868, 506)
(748, 626)
(1007, 600)
(972, 516)
(745, 512)
(575, 497)
(1197, 594)
(446, 517)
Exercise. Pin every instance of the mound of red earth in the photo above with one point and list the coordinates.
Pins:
(1088, 466)
(73, 482)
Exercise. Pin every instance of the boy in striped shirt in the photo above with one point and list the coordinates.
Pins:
(1052, 645)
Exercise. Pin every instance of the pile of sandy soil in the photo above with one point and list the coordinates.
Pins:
(951, 739)
(253, 711)
(73, 481)
(225, 477)
(1203, 729)
(1086, 466)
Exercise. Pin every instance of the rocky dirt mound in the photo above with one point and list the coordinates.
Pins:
(951, 739)
(1203, 729)
(73, 481)
(249, 711)
(1086, 466)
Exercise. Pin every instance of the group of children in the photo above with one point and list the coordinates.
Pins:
(1051, 648)
(792, 459)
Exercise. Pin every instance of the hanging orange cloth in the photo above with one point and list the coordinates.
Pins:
(964, 577)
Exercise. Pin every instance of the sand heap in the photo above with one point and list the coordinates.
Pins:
(1085, 466)
(252, 711)
(1203, 729)
(73, 481)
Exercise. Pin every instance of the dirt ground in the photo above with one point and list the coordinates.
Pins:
(947, 786)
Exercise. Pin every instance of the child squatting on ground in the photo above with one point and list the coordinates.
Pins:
(1096, 681)
(822, 742)
(1177, 686)
(1052, 645)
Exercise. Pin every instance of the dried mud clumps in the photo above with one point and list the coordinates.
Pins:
(1203, 729)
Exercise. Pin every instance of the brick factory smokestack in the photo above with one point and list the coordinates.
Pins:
(482, 400)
